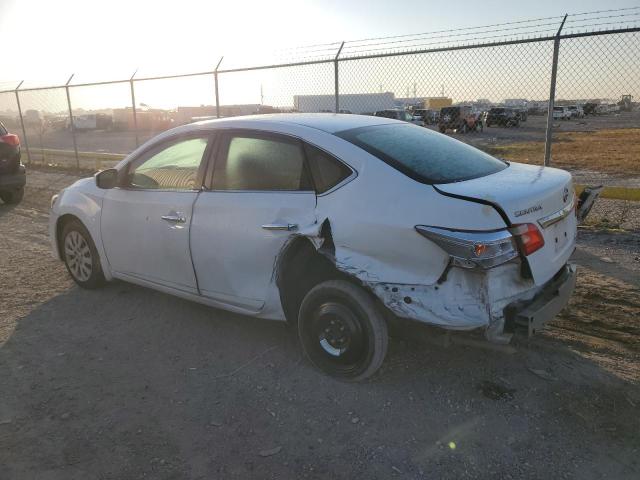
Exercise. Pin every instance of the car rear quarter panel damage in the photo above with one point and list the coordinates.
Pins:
(374, 241)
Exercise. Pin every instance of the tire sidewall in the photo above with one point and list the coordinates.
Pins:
(96, 279)
(370, 319)
(11, 197)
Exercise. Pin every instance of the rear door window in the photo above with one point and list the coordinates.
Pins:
(259, 162)
(327, 171)
(421, 154)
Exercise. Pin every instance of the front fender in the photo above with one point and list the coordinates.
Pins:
(82, 200)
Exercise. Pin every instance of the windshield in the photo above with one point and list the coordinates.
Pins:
(422, 154)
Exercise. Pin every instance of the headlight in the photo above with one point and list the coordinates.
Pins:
(54, 199)
(473, 249)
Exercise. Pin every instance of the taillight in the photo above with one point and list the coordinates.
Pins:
(472, 249)
(529, 238)
(10, 139)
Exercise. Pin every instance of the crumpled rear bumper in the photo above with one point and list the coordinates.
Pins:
(531, 315)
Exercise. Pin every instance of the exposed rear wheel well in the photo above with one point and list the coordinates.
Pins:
(301, 268)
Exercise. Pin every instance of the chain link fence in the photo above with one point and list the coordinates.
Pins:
(498, 81)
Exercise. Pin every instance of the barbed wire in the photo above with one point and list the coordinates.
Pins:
(518, 28)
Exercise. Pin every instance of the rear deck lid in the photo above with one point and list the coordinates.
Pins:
(542, 196)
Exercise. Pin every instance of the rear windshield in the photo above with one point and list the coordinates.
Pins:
(422, 154)
(497, 110)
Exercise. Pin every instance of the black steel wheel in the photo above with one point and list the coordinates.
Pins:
(342, 331)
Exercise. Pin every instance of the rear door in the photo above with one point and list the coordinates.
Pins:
(145, 222)
(258, 195)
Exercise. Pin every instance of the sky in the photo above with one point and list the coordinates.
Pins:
(103, 40)
(97, 39)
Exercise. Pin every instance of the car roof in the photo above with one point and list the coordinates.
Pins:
(327, 122)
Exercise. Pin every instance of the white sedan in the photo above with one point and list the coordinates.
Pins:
(335, 223)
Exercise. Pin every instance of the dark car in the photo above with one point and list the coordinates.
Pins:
(12, 172)
(503, 117)
(459, 118)
(522, 114)
(397, 114)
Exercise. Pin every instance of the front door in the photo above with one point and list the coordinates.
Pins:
(145, 222)
(260, 195)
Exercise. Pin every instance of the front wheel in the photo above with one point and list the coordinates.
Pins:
(342, 331)
(12, 196)
(80, 256)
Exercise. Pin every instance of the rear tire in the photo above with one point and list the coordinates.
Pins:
(342, 330)
(11, 197)
(81, 256)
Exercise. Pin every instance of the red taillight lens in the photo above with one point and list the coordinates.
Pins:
(529, 238)
(10, 139)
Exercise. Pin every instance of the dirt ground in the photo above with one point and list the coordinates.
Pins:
(128, 383)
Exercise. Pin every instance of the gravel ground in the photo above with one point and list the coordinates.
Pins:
(125, 382)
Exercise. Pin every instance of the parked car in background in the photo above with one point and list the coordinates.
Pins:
(576, 111)
(460, 118)
(399, 114)
(12, 172)
(335, 223)
(92, 121)
(429, 117)
(561, 113)
(522, 114)
(502, 117)
(589, 108)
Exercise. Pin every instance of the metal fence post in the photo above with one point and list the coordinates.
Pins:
(133, 105)
(335, 71)
(24, 131)
(215, 79)
(73, 127)
(552, 96)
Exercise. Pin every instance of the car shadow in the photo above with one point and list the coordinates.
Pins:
(125, 382)
(6, 208)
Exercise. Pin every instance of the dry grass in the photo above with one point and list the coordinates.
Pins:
(614, 152)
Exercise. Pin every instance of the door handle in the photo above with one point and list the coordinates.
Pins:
(174, 218)
(280, 226)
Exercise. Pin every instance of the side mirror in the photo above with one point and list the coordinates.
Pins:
(107, 178)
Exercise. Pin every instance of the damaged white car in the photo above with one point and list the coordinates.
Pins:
(336, 223)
